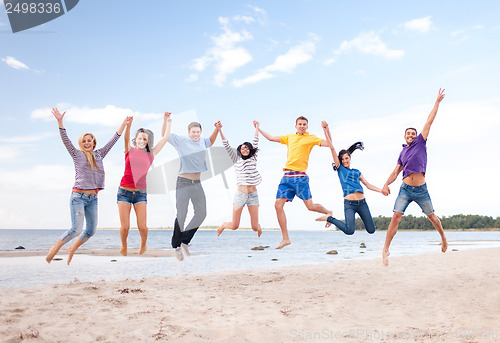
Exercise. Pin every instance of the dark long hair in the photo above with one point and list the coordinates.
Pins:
(350, 150)
(250, 147)
(151, 138)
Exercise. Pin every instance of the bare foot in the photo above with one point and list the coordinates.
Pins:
(444, 245)
(322, 218)
(51, 254)
(123, 250)
(143, 249)
(71, 252)
(385, 257)
(220, 229)
(283, 244)
(259, 231)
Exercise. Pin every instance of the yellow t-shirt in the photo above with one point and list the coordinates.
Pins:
(299, 148)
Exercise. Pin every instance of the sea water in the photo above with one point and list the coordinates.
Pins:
(230, 251)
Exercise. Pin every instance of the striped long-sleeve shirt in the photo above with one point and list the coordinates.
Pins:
(246, 170)
(85, 176)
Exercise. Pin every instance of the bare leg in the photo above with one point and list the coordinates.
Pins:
(254, 219)
(71, 250)
(141, 214)
(437, 225)
(391, 232)
(316, 207)
(233, 225)
(53, 251)
(280, 213)
(124, 212)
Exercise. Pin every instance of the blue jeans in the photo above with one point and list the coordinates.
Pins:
(350, 209)
(82, 205)
(188, 190)
(419, 194)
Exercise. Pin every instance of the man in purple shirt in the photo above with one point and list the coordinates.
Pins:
(413, 161)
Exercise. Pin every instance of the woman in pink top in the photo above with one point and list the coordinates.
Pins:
(132, 190)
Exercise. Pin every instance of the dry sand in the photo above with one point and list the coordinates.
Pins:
(452, 297)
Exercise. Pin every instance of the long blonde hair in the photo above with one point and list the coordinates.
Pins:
(90, 155)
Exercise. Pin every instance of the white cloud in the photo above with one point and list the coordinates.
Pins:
(244, 18)
(285, 63)
(329, 61)
(295, 56)
(15, 63)
(258, 10)
(419, 25)
(192, 78)
(463, 34)
(465, 30)
(106, 116)
(27, 139)
(257, 77)
(226, 54)
(370, 43)
(360, 72)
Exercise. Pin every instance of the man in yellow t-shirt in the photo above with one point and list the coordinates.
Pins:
(295, 181)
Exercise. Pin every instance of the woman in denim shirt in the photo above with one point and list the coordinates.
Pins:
(354, 199)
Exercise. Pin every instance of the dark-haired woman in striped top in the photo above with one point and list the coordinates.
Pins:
(247, 180)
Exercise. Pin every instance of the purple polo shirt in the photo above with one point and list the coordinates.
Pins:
(413, 158)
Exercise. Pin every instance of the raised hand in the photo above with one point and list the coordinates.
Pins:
(440, 95)
(167, 115)
(58, 115)
(256, 124)
(324, 124)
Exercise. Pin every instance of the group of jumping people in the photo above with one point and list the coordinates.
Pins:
(141, 151)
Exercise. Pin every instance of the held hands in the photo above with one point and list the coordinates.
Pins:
(440, 95)
(256, 124)
(218, 126)
(128, 121)
(167, 116)
(324, 124)
(385, 190)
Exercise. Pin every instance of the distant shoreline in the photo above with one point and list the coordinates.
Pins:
(214, 228)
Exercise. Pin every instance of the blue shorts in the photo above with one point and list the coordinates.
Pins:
(242, 199)
(290, 187)
(130, 197)
(419, 194)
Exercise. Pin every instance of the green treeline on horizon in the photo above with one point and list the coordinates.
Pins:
(455, 222)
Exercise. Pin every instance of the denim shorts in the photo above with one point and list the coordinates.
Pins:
(242, 199)
(130, 197)
(290, 187)
(419, 194)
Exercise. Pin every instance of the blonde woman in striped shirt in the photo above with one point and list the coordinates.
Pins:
(247, 180)
(89, 180)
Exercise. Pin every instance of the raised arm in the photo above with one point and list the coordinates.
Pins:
(369, 185)
(265, 134)
(391, 179)
(126, 136)
(214, 134)
(165, 130)
(122, 127)
(432, 115)
(329, 143)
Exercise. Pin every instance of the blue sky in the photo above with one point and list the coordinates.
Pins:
(370, 68)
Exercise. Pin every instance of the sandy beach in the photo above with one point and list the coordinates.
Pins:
(453, 297)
